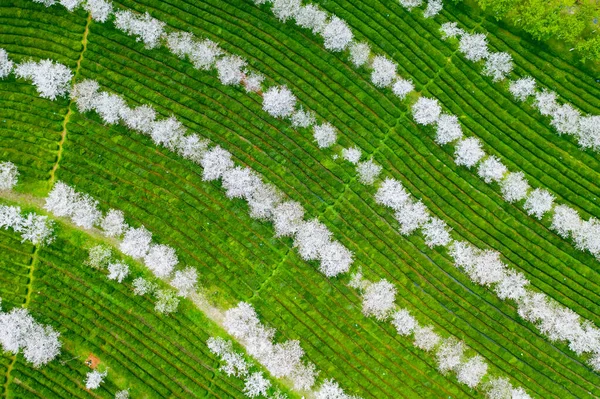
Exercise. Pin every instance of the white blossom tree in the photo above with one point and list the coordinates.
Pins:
(378, 299)
(359, 54)
(498, 66)
(411, 216)
(136, 242)
(94, 378)
(146, 29)
(311, 17)
(36, 229)
(565, 220)
(425, 338)
(160, 258)
(10, 217)
(487, 268)
(565, 119)
(167, 132)
(368, 171)
(447, 129)
(141, 286)
(204, 55)
(304, 376)
(410, 4)
(285, 9)
(324, 134)
(253, 82)
(587, 236)
(310, 239)
(512, 286)
(6, 65)
(464, 254)
(335, 259)
(70, 5)
(192, 147)
(240, 182)
(230, 69)
(99, 257)
(9, 175)
(215, 162)
(118, 271)
(451, 30)
(234, 363)
(450, 354)
(352, 154)
(50, 78)
(279, 101)
(436, 233)
(392, 194)
(330, 389)
(184, 281)
(474, 46)
(287, 217)
(402, 87)
(113, 224)
(545, 102)
(491, 169)
(585, 339)
(426, 111)
(122, 394)
(85, 211)
(100, 10)
(337, 34)
(468, 152)
(383, 71)
(522, 88)
(403, 321)
(472, 371)
(514, 187)
(263, 200)
(302, 118)
(141, 119)
(166, 301)
(538, 202)
(179, 43)
(84, 94)
(110, 107)
(433, 8)
(588, 134)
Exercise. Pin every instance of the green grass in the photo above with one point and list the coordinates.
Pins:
(237, 257)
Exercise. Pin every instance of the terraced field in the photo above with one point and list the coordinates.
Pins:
(236, 256)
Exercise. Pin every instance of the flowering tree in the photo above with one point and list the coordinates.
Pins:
(215, 162)
(141, 286)
(6, 65)
(160, 258)
(179, 43)
(426, 111)
(545, 102)
(491, 169)
(351, 155)
(10, 217)
(330, 389)
(335, 259)
(229, 69)
(405, 324)
(384, 71)
(240, 182)
(122, 394)
(468, 152)
(36, 229)
(98, 257)
(255, 385)
(512, 286)
(587, 237)
(565, 119)
(94, 378)
(447, 129)
(522, 88)
(263, 200)
(589, 132)
(311, 17)
(50, 78)
(167, 132)
(378, 299)
(311, 237)
(85, 211)
(136, 242)
(472, 371)
(287, 217)
(100, 10)
(146, 29)
(253, 82)
(450, 30)
(279, 101)
(514, 187)
(368, 171)
(565, 220)
(449, 355)
(392, 194)
(302, 118)
(436, 233)
(433, 8)
(359, 54)
(498, 66)
(410, 4)
(113, 223)
(425, 338)
(192, 147)
(110, 107)
(234, 363)
(402, 87)
(185, 281)
(411, 216)
(285, 9)
(84, 94)
(140, 119)
(474, 46)
(166, 301)
(538, 202)
(204, 55)
(118, 271)
(9, 175)
(324, 134)
(337, 34)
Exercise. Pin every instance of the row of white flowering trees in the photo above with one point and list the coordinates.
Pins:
(312, 239)
(565, 118)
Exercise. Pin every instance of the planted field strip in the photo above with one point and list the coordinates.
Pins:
(155, 356)
(128, 183)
